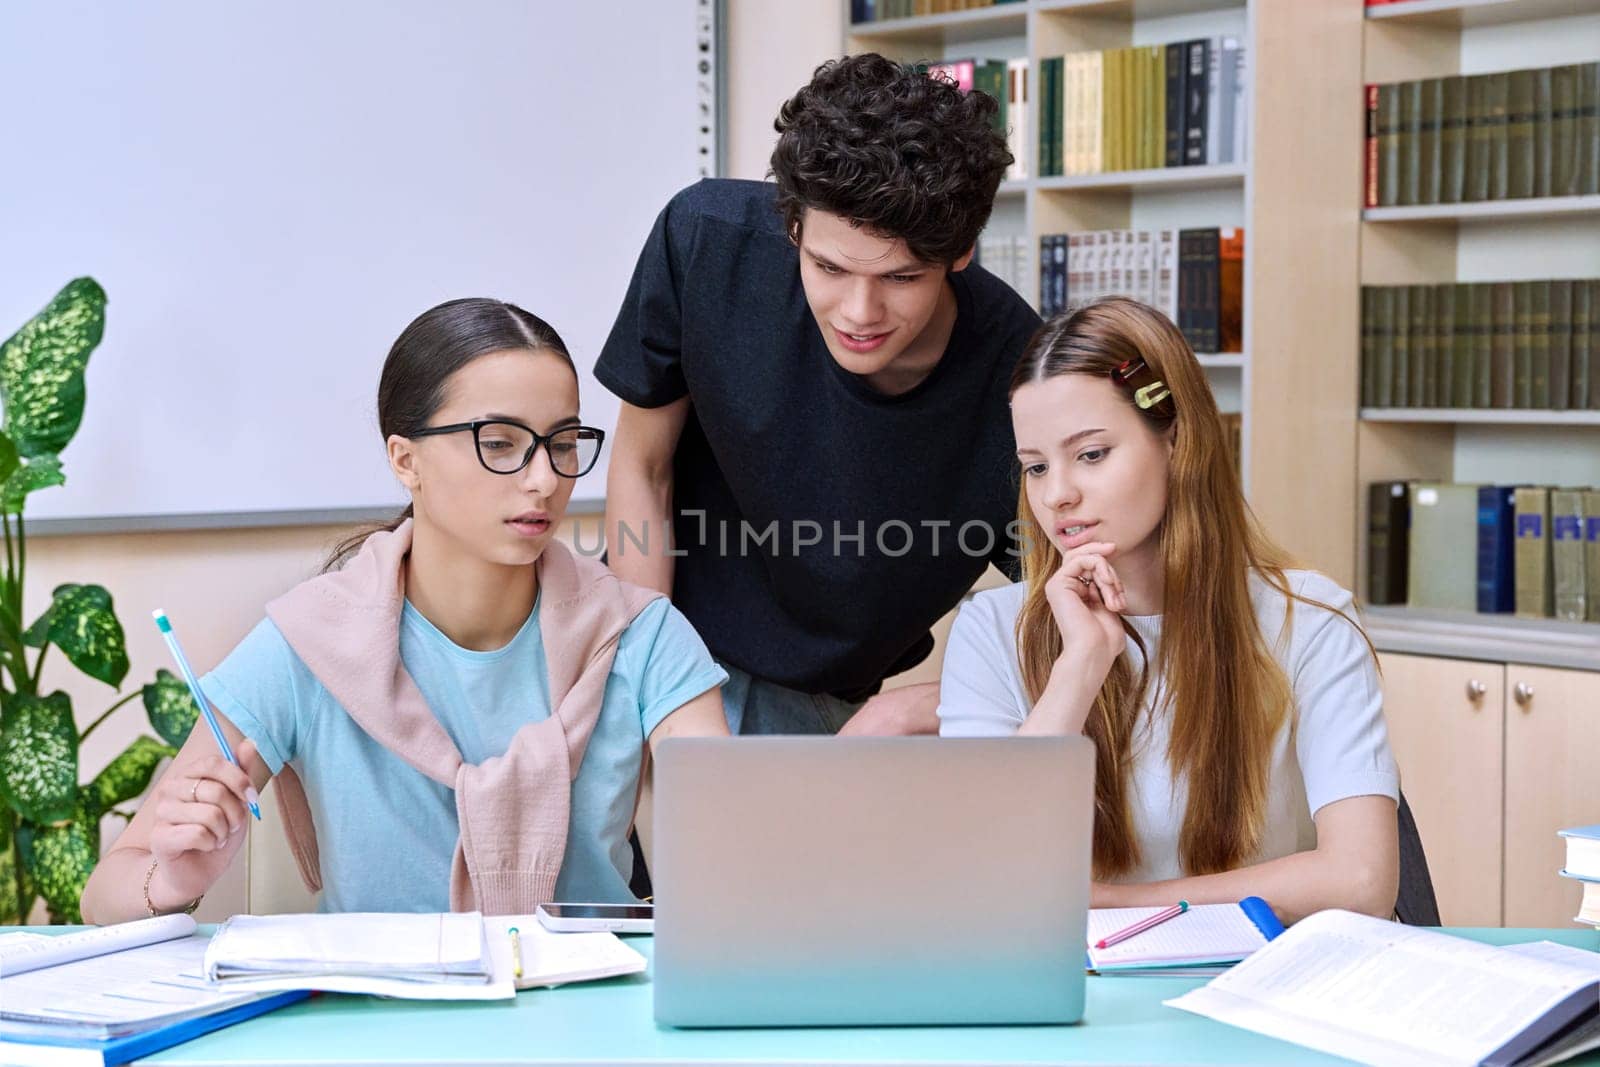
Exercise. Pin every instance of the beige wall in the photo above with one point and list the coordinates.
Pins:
(772, 48)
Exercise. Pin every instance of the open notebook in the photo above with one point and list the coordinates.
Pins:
(1205, 940)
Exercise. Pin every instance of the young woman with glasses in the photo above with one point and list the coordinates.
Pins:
(1233, 701)
(457, 663)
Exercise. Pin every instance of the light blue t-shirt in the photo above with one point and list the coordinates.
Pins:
(386, 832)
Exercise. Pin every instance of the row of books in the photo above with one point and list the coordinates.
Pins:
(1583, 864)
(1504, 136)
(877, 10)
(1194, 277)
(1008, 257)
(1006, 80)
(1497, 549)
(1142, 108)
(1530, 345)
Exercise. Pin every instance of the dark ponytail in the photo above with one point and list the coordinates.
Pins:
(438, 343)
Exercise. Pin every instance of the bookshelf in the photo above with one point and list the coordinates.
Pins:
(1308, 178)
(1496, 240)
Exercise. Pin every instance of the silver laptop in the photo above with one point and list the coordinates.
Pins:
(860, 881)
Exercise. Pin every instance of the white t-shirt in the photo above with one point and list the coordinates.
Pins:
(1333, 745)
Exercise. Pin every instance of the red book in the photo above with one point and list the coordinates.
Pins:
(1370, 176)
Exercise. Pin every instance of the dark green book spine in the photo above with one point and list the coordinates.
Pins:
(1559, 341)
(1475, 134)
(1594, 344)
(1410, 141)
(1482, 344)
(1175, 70)
(1430, 110)
(1388, 145)
(1519, 135)
(1369, 346)
(1384, 339)
(1543, 146)
(1496, 88)
(1452, 139)
(1444, 345)
(1422, 345)
(1589, 129)
(1461, 342)
(1400, 346)
(1539, 345)
(1583, 294)
(1565, 155)
(1522, 345)
(1502, 357)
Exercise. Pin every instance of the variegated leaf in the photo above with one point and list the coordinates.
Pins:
(59, 859)
(171, 709)
(11, 911)
(41, 368)
(84, 625)
(41, 473)
(38, 755)
(128, 775)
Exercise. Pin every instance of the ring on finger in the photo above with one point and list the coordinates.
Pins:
(1086, 579)
(194, 792)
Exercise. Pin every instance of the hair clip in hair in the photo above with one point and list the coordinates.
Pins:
(1145, 397)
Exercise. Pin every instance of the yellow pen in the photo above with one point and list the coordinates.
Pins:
(516, 952)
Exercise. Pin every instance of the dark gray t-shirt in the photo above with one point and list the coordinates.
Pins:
(824, 526)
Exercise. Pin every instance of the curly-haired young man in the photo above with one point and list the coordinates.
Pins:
(814, 386)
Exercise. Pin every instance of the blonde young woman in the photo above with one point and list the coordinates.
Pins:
(1233, 702)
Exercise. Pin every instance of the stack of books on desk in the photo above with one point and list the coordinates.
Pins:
(1583, 864)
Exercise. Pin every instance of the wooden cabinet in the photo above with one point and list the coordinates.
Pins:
(1552, 781)
(1446, 718)
(1494, 759)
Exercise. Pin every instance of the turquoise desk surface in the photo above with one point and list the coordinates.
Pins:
(610, 1022)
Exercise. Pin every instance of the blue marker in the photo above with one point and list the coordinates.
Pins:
(199, 698)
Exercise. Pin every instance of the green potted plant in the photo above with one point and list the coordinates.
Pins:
(49, 821)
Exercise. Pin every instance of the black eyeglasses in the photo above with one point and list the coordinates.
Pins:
(507, 447)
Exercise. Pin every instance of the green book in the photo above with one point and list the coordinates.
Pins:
(1559, 342)
(1531, 567)
(1110, 110)
(1482, 344)
(1444, 346)
(1522, 345)
(1591, 552)
(1543, 146)
(1589, 129)
(1422, 346)
(1452, 139)
(1442, 556)
(1430, 110)
(1383, 339)
(1583, 309)
(1495, 90)
(1369, 346)
(1410, 141)
(1566, 156)
(1476, 134)
(1389, 145)
(1571, 594)
(990, 77)
(1519, 135)
(1461, 348)
(1400, 347)
(1539, 345)
(1502, 345)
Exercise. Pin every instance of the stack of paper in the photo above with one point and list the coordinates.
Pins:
(1205, 940)
(431, 956)
(550, 959)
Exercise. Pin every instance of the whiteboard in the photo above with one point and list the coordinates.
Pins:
(270, 191)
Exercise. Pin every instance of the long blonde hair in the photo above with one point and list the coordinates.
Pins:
(1228, 695)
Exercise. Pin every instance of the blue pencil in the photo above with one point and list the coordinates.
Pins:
(194, 689)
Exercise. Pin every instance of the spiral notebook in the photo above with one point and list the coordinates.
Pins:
(1205, 940)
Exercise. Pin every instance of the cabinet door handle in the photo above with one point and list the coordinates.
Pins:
(1476, 690)
(1522, 693)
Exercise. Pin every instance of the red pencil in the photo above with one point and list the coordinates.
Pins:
(1143, 924)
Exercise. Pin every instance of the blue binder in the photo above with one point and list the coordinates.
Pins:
(131, 1047)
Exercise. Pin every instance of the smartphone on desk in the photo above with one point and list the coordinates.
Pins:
(617, 918)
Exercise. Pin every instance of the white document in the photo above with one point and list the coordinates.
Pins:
(1206, 933)
(550, 959)
(1380, 992)
(30, 952)
(118, 993)
(428, 956)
